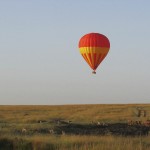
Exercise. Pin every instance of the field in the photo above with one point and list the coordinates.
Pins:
(74, 127)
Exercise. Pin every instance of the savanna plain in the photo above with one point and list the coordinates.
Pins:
(75, 127)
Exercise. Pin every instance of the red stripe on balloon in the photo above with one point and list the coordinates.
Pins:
(94, 40)
(94, 55)
(84, 56)
(90, 57)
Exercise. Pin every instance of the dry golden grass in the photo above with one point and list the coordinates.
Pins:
(72, 142)
(14, 118)
(77, 113)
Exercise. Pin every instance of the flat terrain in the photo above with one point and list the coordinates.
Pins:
(75, 127)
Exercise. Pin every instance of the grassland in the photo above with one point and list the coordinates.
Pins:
(37, 120)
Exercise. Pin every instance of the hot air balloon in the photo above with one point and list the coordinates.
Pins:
(94, 47)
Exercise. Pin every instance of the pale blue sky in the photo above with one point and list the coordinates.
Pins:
(39, 58)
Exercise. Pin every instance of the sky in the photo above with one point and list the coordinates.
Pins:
(40, 63)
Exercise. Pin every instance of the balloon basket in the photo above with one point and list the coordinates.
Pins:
(94, 72)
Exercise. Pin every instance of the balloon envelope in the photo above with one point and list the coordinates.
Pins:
(94, 47)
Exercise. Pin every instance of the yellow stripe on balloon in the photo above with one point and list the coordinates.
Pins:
(98, 50)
